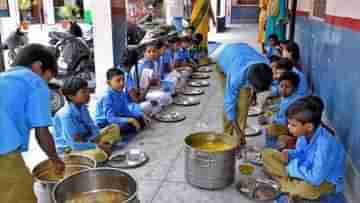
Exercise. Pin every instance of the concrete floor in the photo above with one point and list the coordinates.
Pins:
(162, 178)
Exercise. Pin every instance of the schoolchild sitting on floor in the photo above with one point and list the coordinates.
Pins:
(277, 129)
(273, 46)
(73, 126)
(113, 106)
(316, 166)
(278, 66)
(150, 78)
(291, 51)
(182, 55)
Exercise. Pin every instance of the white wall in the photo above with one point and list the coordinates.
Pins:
(103, 42)
(344, 8)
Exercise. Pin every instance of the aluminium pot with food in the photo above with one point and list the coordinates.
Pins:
(210, 160)
(105, 185)
(46, 177)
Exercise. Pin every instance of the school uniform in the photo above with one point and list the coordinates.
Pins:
(150, 71)
(24, 104)
(316, 167)
(272, 51)
(237, 90)
(278, 126)
(302, 89)
(74, 120)
(113, 108)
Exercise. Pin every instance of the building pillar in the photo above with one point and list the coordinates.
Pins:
(110, 37)
(49, 12)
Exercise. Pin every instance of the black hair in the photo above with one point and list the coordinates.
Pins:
(176, 39)
(75, 29)
(285, 64)
(316, 100)
(274, 37)
(129, 58)
(186, 39)
(112, 72)
(294, 49)
(151, 45)
(274, 58)
(284, 41)
(37, 53)
(159, 44)
(260, 76)
(72, 85)
(292, 77)
(306, 110)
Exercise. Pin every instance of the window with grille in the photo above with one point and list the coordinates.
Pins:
(319, 9)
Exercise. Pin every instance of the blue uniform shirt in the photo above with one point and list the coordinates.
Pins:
(70, 121)
(24, 104)
(181, 55)
(113, 108)
(321, 159)
(303, 87)
(130, 81)
(236, 73)
(275, 88)
(285, 102)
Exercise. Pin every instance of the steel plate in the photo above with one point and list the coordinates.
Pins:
(198, 83)
(192, 91)
(186, 101)
(170, 117)
(131, 159)
(200, 76)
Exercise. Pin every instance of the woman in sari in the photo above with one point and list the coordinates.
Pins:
(276, 18)
(201, 11)
(263, 4)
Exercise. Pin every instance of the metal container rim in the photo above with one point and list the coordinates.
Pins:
(132, 197)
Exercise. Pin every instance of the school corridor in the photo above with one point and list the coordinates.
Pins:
(162, 180)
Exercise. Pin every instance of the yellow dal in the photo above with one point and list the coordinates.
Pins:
(99, 197)
(215, 146)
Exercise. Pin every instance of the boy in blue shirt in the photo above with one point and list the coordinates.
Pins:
(114, 107)
(316, 166)
(291, 51)
(289, 82)
(273, 47)
(182, 55)
(25, 105)
(73, 125)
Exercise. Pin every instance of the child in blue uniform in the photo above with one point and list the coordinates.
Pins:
(182, 55)
(316, 166)
(276, 131)
(273, 47)
(73, 126)
(291, 51)
(113, 106)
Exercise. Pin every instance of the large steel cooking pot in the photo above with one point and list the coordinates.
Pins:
(96, 181)
(209, 169)
(43, 172)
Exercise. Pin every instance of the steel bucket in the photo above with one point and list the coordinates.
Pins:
(209, 170)
(43, 186)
